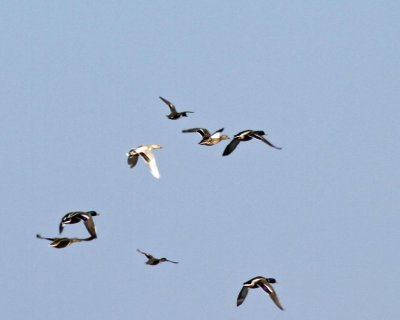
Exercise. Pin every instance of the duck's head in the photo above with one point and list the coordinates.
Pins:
(155, 146)
(93, 213)
(271, 280)
(224, 137)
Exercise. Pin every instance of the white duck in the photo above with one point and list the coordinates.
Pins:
(144, 150)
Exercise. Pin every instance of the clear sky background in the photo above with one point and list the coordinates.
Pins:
(79, 87)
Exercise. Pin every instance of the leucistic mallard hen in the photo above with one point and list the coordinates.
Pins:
(259, 282)
(144, 151)
(174, 114)
(246, 135)
(208, 138)
(60, 243)
(78, 216)
(154, 261)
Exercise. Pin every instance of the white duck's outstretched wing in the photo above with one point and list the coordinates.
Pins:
(151, 162)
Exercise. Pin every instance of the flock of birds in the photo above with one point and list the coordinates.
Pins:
(145, 151)
(208, 139)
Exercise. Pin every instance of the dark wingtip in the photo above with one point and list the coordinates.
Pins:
(227, 151)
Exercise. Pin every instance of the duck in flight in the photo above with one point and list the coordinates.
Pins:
(60, 243)
(174, 114)
(154, 261)
(246, 135)
(144, 151)
(209, 139)
(259, 282)
(78, 216)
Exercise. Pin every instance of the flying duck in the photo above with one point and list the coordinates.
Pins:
(60, 243)
(154, 261)
(77, 216)
(259, 282)
(174, 114)
(144, 150)
(246, 135)
(209, 139)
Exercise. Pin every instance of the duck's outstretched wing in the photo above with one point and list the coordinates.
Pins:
(69, 217)
(259, 136)
(148, 255)
(89, 224)
(61, 227)
(132, 160)
(231, 146)
(151, 162)
(203, 132)
(271, 292)
(184, 113)
(242, 295)
(171, 261)
(217, 133)
(61, 243)
(44, 238)
(169, 104)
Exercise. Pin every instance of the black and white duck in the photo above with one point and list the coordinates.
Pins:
(78, 216)
(259, 282)
(247, 135)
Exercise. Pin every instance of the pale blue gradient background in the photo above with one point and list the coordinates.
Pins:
(79, 87)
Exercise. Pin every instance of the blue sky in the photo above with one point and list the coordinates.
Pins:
(79, 87)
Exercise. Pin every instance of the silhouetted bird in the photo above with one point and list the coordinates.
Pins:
(259, 282)
(154, 261)
(246, 135)
(60, 243)
(209, 139)
(78, 216)
(174, 114)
